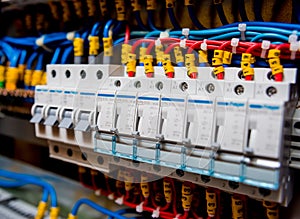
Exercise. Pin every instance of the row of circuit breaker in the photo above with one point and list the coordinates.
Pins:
(228, 129)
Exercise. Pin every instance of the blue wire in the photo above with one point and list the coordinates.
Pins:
(267, 24)
(2, 57)
(14, 184)
(54, 38)
(139, 20)
(66, 55)
(173, 19)
(8, 51)
(23, 57)
(96, 207)
(270, 36)
(150, 20)
(232, 35)
(39, 63)
(55, 57)
(120, 40)
(31, 59)
(25, 41)
(118, 27)
(32, 180)
(137, 33)
(194, 18)
(123, 211)
(15, 58)
(107, 28)
(152, 34)
(96, 29)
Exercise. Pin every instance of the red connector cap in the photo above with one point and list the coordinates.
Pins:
(131, 74)
(278, 77)
(150, 75)
(220, 76)
(170, 74)
(193, 75)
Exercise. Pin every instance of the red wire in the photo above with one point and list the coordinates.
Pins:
(283, 46)
(198, 43)
(149, 48)
(139, 42)
(127, 34)
(223, 45)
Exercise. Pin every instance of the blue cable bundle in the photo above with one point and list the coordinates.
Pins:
(29, 179)
(111, 214)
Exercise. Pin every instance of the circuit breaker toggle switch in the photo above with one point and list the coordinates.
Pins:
(83, 124)
(51, 116)
(106, 110)
(148, 115)
(173, 117)
(67, 120)
(37, 115)
(125, 112)
(199, 123)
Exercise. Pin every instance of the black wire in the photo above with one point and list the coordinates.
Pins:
(296, 10)
(194, 18)
(137, 16)
(242, 10)
(257, 10)
(221, 13)
(173, 19)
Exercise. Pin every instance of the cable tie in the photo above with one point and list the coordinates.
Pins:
(294, 46)
(164, 34)
(182, 43)
(265, 45)
(242, 28)
(293, 37)
(70, 35)
(186, 32)
(155, 213)
(234, 44)
(157, 42)
(177, 216)
(40, 43)
(203, 45)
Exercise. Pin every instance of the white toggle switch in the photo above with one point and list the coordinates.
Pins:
(37, 114)
(83, 124)
(51, 116)
(67, 120)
